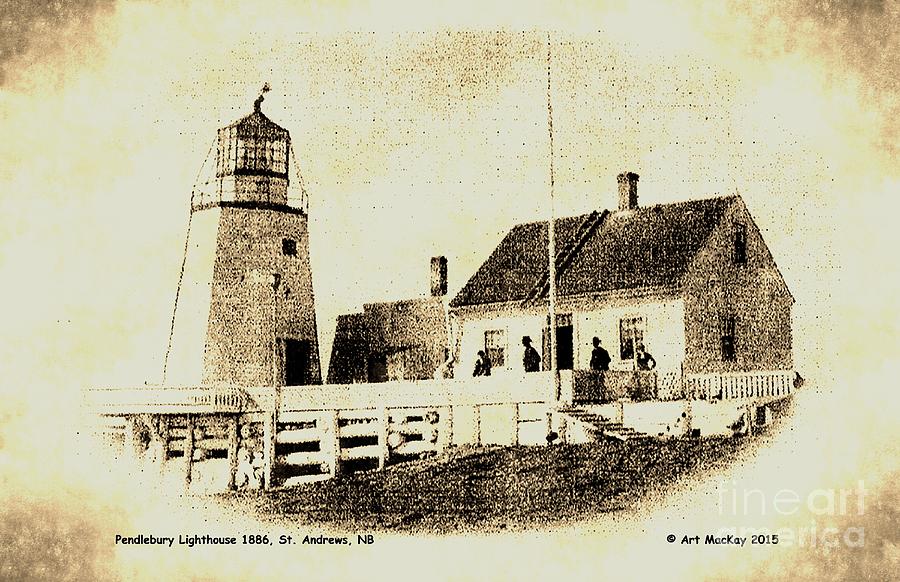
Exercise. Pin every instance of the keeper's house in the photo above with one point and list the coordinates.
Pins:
(693, 281)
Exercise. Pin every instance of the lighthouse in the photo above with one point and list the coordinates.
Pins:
(244, 310)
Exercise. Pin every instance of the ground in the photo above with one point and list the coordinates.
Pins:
(496, 488)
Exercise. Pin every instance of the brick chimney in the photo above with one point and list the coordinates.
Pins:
(628, 199)
(438, 276)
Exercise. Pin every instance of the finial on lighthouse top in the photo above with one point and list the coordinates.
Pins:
(258, 103)
(252, 158)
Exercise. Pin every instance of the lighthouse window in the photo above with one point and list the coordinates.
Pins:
(289, 247)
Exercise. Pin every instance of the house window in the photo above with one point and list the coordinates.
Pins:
(728, 338)
(495, 347)
(289, 247)
(631, 332)
(740, 244)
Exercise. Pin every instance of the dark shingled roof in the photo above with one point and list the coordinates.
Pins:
(349, 350)
(257, 125)
(647, 247)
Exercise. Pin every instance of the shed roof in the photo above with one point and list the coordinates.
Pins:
(386, 328)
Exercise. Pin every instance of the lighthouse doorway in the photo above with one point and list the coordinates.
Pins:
(296, 362)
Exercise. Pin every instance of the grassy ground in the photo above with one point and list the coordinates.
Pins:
(495, 488)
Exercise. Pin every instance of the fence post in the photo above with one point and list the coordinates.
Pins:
(233, 436)
(383, 450)
(164, 441)
(448, 424)
(269, 430)
(620, 411)
(157, 446)
(131, 438)
(688, 417)
(478, 438)
(335, 448)
(188, 450)
(549, 425)
(516, 416)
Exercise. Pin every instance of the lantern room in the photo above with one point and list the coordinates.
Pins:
(252, 159)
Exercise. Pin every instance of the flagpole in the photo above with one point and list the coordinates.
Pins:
(551, 241)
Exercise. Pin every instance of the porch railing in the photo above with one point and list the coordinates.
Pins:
(734, 385)
(173, 400)
(590, 386)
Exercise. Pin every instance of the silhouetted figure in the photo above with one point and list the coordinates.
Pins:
(445, 370)
(531, 359)
(599, 357)
(482, 365)
(643, 358)
(249, 469)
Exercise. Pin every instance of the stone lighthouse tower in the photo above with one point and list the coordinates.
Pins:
(244, 310)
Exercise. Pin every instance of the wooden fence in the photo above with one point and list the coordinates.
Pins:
(266, 436)
(734, 385)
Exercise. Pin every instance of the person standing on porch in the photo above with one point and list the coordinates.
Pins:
(643, 359)
(599, 357)
(531, 360)
(482, 365)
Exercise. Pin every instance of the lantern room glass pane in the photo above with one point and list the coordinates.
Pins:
(278, 161)
(254, 154)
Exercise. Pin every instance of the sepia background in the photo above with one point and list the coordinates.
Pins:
(422, 130)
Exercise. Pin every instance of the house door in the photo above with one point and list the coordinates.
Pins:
(565, 349)
(296, 362)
